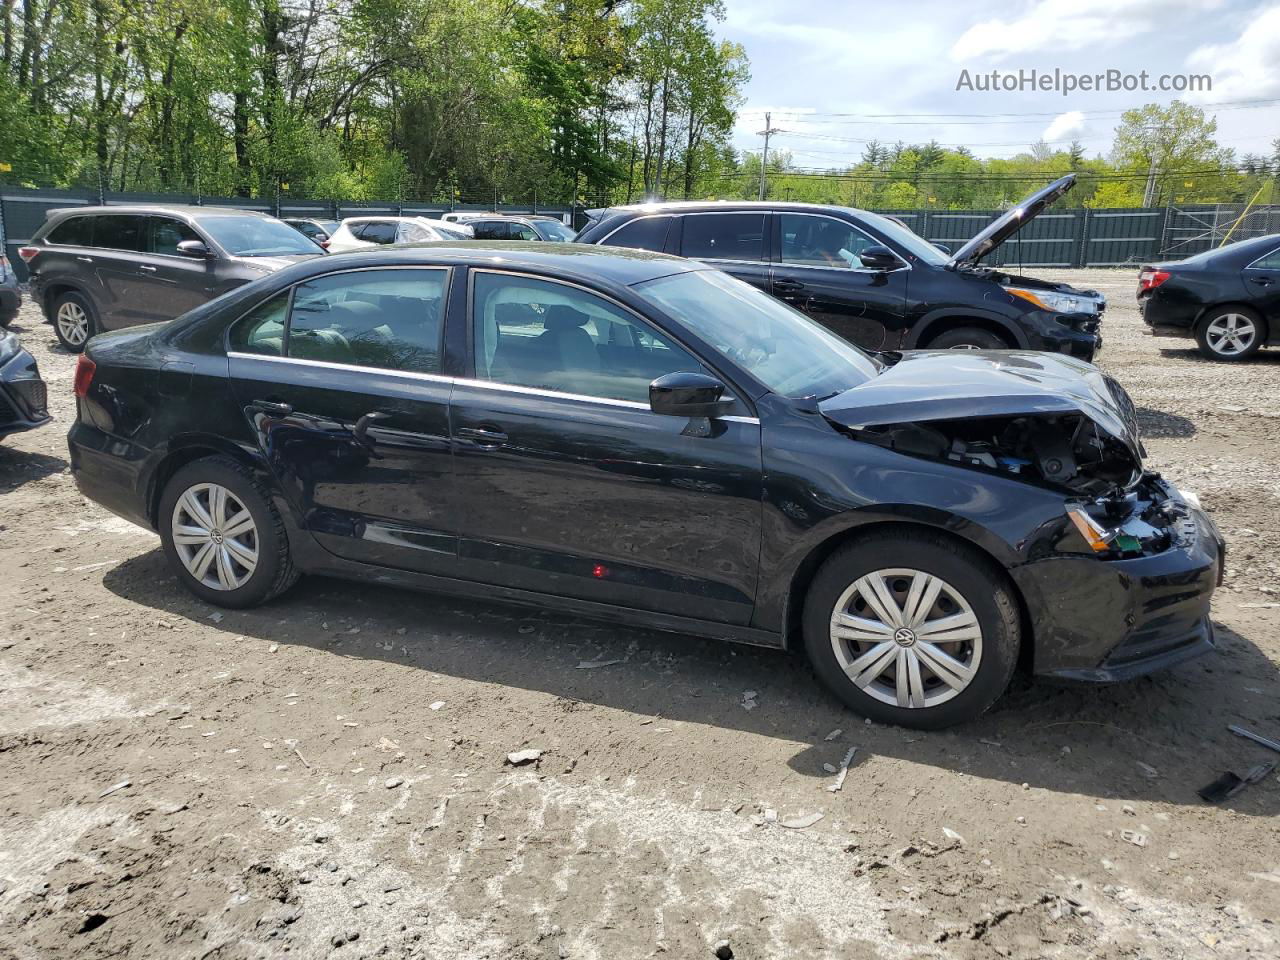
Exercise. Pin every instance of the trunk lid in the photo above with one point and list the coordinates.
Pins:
(1005, 226)
(932, 385)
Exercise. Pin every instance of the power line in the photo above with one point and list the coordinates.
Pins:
(799, 114)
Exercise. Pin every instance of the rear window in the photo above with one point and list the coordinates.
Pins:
(73, 232)
(647, 233)
(377, 231)
(724, 236)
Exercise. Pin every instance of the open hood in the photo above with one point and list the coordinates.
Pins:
(999, 408)
(1004, 227)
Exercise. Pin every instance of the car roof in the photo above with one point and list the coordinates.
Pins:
(181, 209)
(567, 260)
(728, 206)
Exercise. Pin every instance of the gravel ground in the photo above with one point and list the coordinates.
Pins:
(328, 775)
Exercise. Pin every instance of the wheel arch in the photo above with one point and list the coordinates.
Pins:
(937, 322)
(185, 450)
(1240, 305)
(50, 294)
(803, 573)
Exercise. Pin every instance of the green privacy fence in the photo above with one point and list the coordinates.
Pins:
(1059, 237)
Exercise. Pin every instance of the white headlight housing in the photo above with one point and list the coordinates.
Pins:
(1055, 302)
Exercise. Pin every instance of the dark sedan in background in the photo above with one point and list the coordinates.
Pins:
(102, 268)
(869, 278)
(641, 437)
(1227, 298)
(23, 398)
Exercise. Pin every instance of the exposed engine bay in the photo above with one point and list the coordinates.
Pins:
(1068, 451)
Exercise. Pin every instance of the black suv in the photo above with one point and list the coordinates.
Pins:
(869, 278)
(101, 268)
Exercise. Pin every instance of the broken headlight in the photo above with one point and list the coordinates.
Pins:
(1055, 302)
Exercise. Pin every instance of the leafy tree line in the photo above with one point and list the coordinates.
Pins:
(367, 99)
(1160, 155)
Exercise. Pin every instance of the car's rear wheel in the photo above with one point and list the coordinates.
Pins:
(968, 338)
(912, 629)
(73, 321)
(1230, 333)
(223, 536)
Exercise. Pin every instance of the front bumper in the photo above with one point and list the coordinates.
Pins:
(1075, 336)
(23, 395)
(1103, 621)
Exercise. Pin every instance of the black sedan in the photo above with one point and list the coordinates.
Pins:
(1227, 298)
(630, 435)
(23, 397)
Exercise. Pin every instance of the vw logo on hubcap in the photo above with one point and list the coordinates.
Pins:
(904, 636)
(216, 537)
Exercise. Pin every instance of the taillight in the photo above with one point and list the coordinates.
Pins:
(1148, 280)
(28, 253)
(85, 369)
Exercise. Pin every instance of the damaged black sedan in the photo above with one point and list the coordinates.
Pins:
(629, 435)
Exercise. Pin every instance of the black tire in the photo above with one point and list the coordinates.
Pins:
(5, 321)
(968, 338)
(63, 330)
(982, 585)
(1223, 348)
(274, 571)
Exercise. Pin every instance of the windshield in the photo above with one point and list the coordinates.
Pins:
(554, 230)
(909, 240)
(257, 237)
(781, 347)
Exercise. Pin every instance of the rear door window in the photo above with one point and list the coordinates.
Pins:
(647, 233)
(119, 232)
(378, 231)
(724, 236)
(73, 232)
(491, 230)
(822, 242)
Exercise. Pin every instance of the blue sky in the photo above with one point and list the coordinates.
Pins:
(811, 59)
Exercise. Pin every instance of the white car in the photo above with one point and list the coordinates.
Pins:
(358, 232)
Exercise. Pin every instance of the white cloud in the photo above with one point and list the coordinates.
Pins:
(1068, 25)
(1064, 125)
(1246, 68)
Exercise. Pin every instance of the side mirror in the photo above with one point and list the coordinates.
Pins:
(194, 248)
(320, 237)
(689, 395)
(879, 258)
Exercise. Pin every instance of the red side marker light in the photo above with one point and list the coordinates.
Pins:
(600, 571)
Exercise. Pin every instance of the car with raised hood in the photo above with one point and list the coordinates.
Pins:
(640, 437)
(23, 396)
(869, 278)
(1227, 299)
(102, 268)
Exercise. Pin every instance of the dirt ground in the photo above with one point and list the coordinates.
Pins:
(328, 775)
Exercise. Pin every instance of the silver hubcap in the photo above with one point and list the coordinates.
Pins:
(73, 323)
(215, 536)
(966, 346)
(1230, 334)
(906, 637)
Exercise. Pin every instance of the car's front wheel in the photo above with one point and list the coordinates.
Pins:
(1230, 333)
(912, 629)
(968, 338)
(73, 321)
(223, 536)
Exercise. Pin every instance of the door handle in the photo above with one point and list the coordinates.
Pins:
(483, 436)
(85, 259)
(1262, 281)
(361, 429)
(787, 285)
(143, 268)
(272, 407)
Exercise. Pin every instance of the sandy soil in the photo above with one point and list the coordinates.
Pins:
(327, 775)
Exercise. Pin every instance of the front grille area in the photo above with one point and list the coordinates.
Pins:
(33, 393)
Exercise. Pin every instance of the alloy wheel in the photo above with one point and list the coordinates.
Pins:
(1231, 334)
(215, 536)
(906, 638)
(73, 323)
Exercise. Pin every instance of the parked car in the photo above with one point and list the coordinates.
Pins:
(102, 268)
(317, 230)
(869, 278)
(358, 232)
(629, 435)
(10, 295)
(23, 397)
(1227, 298)
(502, 227)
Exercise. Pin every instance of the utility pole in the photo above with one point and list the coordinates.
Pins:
(764, 156)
